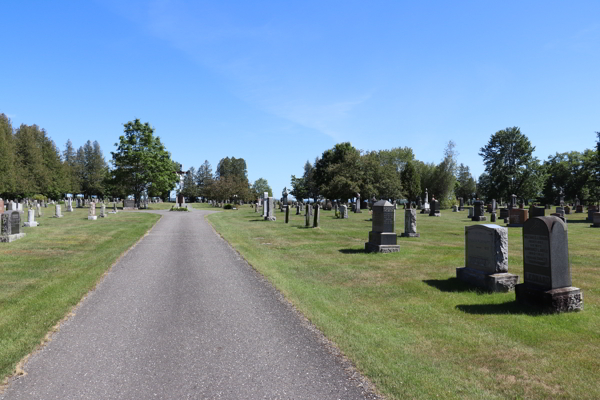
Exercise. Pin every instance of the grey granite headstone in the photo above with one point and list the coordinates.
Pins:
(10, 226)
(434, 208)
(382, 238)
(57, 213)
(547, 276)
(493, 217)
(271, 210)
(344, 212)
(92, 212)
(410, 223)
(486, 258)
(30, 219)
(103, 211)
(265, 204)
(307, 215)
(478, 212)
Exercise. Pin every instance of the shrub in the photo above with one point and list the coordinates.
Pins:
(227, 206)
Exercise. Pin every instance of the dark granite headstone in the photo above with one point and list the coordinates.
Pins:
(434, 208)
(478, 212)
(537, 211)
(382, 237)
(547, 277)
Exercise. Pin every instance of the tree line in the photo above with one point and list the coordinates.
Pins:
(229, 182)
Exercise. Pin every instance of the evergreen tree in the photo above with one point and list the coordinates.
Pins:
(411, 182)
(8, 166)
(204, 180)
(465, 184)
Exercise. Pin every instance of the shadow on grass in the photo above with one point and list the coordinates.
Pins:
(578, 221)
(451, 285)
(255, 220)
(510, 307)
(352, 251)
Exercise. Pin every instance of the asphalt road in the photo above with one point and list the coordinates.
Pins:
(183, 316)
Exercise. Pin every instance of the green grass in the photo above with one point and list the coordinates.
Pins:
(409, 325)
(46, 273)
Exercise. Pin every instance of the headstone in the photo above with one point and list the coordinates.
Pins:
(486, 258)
(470, 209)
(591, 211)
(343, 212)
(577, 202)
(287, 214)
(503, 213)
(426, 203)
(513, 202)
(493, 217)
(114, 211)
(357, 206)
(271, 210)
(103, 211)
(316, 222)
(57, 213)
(596, 220)
(130, 204)
(92, 212)
(461, 204)
(180, 200)
(546, 273)
(382, 238)
(70, 205)
(537, 211)
(38, 211)
(256, 207)
(455, 208)
(10, 226)
(30, 219)
(410, 223)
(517, 217)
(298, 208)
(265, 204)
(567, 209)
(494, 205)
(307, 215)
(434, 208)
(478, 212)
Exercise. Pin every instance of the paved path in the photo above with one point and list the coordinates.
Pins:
(182, 316)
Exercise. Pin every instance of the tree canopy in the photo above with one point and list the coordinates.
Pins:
(141, 162)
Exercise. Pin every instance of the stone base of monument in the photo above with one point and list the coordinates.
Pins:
(437, 214)
(113, 212)
(514, 225)
(501, 282)
(58, 216)
(425, 211)
(564, 299)
(270, 218)
(381, 248)
(30, 224)
(410, 234)
(595, 225)
(11, 238)
(93, 217)
(480, 218)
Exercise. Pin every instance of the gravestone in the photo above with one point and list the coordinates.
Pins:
(357, 205)
(287, 214)
(513, 202)
(537, 211)
(103, 211)
(265, 204)
(92, 212)
(317, 211)
(546, 273)
(434, 208)
(478, 212)
(38, 211)
(10, 226)
(455, 208)
(471, 211)
(494, 205)
(486, 258)
(30, 219)
(70, 205)
(419, 203)
(114, 211)
(307, 215)
(560, 210)
(129, 204)
(596, 220)
(298, 207)
(410, 223)
(567, 209)
(1, 206)
(382, 238)
(270, 210)
(461, 204)
(517, 217)
(426, 203)
(57, 213)
(493, 217)
(256, 207)
(180, 200)
(503, 213)
(344, 212)
(591, 211)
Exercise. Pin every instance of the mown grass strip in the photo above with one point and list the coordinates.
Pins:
(46, 273)
(409, 325)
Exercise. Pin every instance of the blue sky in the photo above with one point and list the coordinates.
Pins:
(277, 83)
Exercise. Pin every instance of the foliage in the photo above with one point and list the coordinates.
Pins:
(380, 176)
(411, 181)
(336, 170)
(465, 184)
(259, 187)
(190, 186)
(512, 169)
(228, 207)
(305, 187)
(566, 172)
(141, 162)
(231, 167)
(173, 208)
(204, 179)
(8, 172)
(227, 187)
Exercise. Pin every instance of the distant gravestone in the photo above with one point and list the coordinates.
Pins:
(493, 217)
(382, 238)
(10, 226)
(57, 213)
(317, 211)
(410, 223)
(270, 210)
(596, 220)
(38, 210)
(461, 203)
(344, 212)
(70, 205)
(114, 211)
(103, 211)
(567, 209)
(560, 210)
(287, 214)
(591, 211)
(129, 204)
(547, 277)
(265, 204)
(92, 212)
(30, 219)
(486, 258)
(470, 210)
(537, 211)
(358, 205)
(434, 208)
(298, 207)
(478, 212)
(517, 217)
(455, 208)
(308, 221)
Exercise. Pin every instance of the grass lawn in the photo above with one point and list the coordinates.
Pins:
(409, 325)
(46, 273)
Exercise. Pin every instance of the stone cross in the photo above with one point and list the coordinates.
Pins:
(30, 219)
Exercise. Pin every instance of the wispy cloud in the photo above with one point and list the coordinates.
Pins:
(586, 40)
